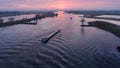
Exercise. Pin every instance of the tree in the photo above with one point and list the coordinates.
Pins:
(11, 19)
(1, 21)
(82, 20)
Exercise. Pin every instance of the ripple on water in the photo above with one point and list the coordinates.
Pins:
(73, 47)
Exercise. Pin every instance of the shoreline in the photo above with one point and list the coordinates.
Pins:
(109, 27)
(112, 28)
(24, 21)
(93, 14)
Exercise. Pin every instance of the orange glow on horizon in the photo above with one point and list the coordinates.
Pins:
(59, 4)
(62, 6)
(55, 5)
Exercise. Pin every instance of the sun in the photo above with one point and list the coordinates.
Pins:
(62, 6)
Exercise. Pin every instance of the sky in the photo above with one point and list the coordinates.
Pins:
(59, 4)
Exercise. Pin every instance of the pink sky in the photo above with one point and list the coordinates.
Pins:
(59, 4)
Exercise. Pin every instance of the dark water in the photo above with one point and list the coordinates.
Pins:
(73, 47)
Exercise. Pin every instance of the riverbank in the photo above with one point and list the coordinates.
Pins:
(26, 21)
(107, 18)
(16, 13)
(106, 26)
(115, 29)
(94, 14)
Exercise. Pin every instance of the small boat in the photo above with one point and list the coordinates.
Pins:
(70, 17)
(46, 39)
(118, 48)
(31, 22)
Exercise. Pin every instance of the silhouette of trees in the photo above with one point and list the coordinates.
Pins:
(1, 21)
(82, 20)
(11, 19)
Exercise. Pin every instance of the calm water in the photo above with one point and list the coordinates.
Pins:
(18, 17)
(110, 21)
(110, 16)
(73, 47)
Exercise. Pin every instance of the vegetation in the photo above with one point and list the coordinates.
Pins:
(15, 13)
(115, 29)
(95, 13)
(9, 13)
(25, 21)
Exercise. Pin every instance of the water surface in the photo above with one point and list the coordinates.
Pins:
(73, 47)
(18, 17)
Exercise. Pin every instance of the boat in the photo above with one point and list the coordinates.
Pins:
(118, 48)
(46, 39)
(31, 22)
(70, 17)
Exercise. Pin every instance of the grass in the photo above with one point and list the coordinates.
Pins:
(107, 27)
(23, 21)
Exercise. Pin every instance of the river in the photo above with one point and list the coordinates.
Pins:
(74, 47)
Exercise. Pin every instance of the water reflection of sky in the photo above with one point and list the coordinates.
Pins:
(18, 17)
(74, 47)
(110, 16)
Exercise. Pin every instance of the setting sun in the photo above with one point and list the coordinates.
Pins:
(62, 6)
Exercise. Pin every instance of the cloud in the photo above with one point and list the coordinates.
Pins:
(56, 4)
